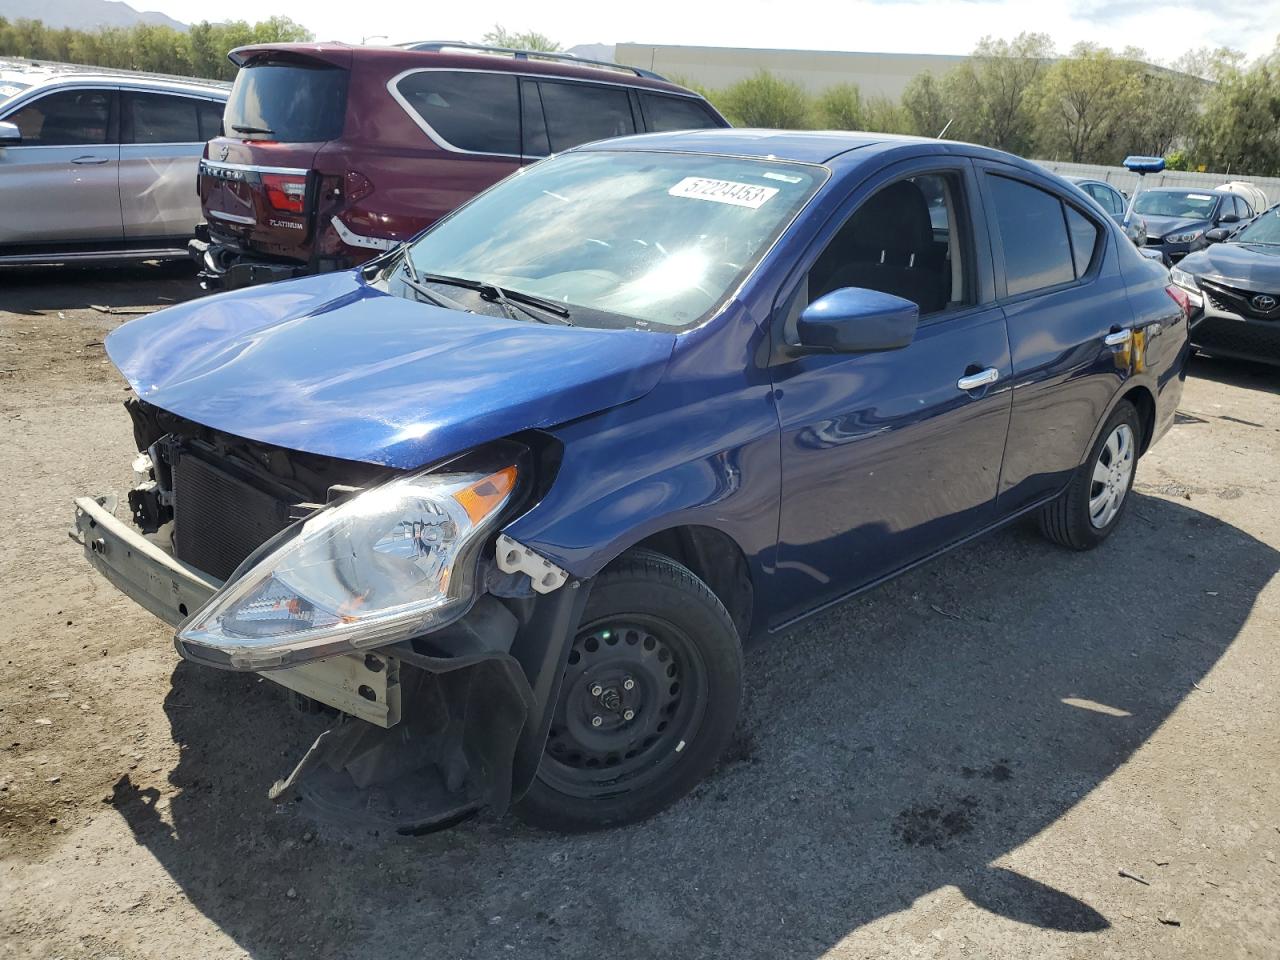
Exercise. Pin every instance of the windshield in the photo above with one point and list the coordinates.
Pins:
(645, 240)
(1183, 205)
(288, 102)
(1264, 229)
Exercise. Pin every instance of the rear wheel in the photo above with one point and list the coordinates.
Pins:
(1092, 505)
(648, 701)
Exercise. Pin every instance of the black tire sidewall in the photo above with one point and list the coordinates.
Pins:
(656, 586)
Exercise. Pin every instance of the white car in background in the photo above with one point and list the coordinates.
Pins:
(1252, 195)
(100, 165)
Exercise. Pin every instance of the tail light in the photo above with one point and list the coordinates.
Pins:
(285, 192)
(1180, 298)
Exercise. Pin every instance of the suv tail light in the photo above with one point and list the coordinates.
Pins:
(285, 192)
(1180, 298)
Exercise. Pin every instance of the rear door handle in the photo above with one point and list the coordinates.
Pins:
(982, 378)
(90, 161)
(1118, 338)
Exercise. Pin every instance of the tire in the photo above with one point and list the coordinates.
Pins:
(651, 622)
(1093, 503)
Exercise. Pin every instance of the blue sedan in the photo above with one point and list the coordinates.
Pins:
(512, 497)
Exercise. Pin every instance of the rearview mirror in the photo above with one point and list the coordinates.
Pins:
(854, 320)
(9, 133)
(1217, 234)
(1228, 218)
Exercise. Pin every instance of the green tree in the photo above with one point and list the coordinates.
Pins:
(500, 36)
(766, 100)
(884, 115)
(1088, 105)
(926, 106)
(1168, 115)
(995, 96)
(840, 108)
(1240, 126)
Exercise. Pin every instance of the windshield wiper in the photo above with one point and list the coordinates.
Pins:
(247, 129)
(410, 279)
(506, 299)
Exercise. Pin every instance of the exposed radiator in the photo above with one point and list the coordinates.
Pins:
(219, 519)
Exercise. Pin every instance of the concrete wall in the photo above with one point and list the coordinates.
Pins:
(1125, 180)
(876, 74)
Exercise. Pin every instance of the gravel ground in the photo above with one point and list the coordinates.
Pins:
(959, 764)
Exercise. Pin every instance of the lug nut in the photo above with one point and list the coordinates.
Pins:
(628, 714)
(628, 684)
(596, 721)
(597, 690)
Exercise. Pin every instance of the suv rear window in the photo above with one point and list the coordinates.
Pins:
(292, 102)
(662, 113)
(479, 112)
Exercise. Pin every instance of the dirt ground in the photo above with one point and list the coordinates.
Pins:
(959, 764)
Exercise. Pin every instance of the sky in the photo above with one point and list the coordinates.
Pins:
(1164, 28)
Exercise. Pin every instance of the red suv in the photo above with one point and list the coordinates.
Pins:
(333, 153)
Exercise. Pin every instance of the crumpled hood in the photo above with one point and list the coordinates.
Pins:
(1163, 226)
(1244, 265)
(329, 365)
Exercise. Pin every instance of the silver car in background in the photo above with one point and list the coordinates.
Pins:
(101, 165)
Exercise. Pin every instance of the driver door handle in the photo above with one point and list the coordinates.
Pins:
(982, 378)
(1118, 338)
(90, 161)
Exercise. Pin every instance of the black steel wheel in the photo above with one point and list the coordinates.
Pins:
(648, 701)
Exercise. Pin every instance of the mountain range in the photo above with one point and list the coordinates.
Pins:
(84, 14)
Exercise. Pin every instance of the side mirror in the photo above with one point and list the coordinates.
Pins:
(854, 320)
(1217, 234)
(9, 133)
(1228, 218)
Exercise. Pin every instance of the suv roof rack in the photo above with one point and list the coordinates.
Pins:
(437, 46)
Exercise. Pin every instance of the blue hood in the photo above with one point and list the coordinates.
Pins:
(329, 365)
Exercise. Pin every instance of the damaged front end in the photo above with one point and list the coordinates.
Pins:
(388, 596)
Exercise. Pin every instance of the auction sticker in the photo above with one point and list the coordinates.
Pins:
(723, 191)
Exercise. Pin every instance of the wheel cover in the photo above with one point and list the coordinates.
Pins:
(1112, 471)
(633, 695)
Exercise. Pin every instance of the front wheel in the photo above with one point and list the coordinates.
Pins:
(1093, 503)
(648, 702)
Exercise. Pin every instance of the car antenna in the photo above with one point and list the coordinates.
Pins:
(945, 129)
(1141, 166)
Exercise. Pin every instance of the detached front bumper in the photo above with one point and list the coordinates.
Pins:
(429, 732)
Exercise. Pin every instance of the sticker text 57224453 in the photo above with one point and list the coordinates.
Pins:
(723, 191)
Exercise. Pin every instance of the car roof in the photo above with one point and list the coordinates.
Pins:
(1213, 191)
(834, 147)
(459, 57)
(43, 74)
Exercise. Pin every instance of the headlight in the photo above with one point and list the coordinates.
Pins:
(1183, 279)
(1184, 237)
(388, 564)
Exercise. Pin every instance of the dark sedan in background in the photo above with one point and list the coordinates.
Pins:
(1115, 203)
(1181, 221)
(1234, 288)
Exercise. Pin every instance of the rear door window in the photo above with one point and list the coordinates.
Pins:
(477, 112)
(155, 118)
(287, 101)
(582, 112)
(1033, 236)
(662, 113)
(67, 118)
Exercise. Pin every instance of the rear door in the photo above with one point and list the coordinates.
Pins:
(61, 184)
(161, 144)
(257, 185)
(1059, 283)
(576, 112)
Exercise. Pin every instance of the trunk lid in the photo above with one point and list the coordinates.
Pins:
(257, 182)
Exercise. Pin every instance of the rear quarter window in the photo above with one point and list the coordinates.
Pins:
(292, 101)
(477, 112)
(663, 113)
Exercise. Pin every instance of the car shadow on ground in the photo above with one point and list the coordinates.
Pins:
(33, 290)
(899, 744)
(1249, 374)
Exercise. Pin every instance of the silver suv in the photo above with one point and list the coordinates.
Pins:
(101, 165)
